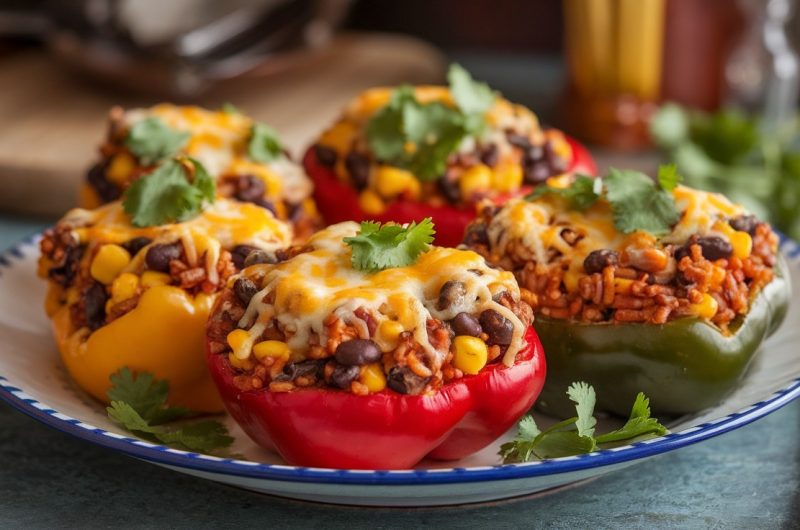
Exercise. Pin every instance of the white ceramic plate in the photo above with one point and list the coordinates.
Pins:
(33, 380)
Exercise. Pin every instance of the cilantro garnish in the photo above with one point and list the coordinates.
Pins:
(637, 201)
(420, 137)
(576, 435)
(230, 108)
(139, 404)
(264, 145)
(168, 194)
(152, 140)
(377, 247)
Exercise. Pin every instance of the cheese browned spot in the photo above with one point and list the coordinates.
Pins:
(313, 285)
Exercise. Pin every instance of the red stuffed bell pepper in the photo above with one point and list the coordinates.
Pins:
(334, 359)
(406, 154)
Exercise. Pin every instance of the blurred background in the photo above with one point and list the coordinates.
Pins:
(709, 84)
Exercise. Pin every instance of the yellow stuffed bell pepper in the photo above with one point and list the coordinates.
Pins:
(121, 296)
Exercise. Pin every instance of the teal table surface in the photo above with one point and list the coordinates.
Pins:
(748, 478)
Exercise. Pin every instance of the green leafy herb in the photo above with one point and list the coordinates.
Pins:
(264, 145)
(138, 403)
(152, 140)
(582, 194)
(377, 247)
(576, 435)
(639, 204)
(230, 108)
(168, 194)
(420, 137)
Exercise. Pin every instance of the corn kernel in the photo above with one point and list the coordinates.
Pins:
(706, 308)
(470, 354)
(120, 168)
(388, 334)
(124, 287)
(237, 339)
(372, 377)
(271, 348)
(391, 181)
(242, 364)
(109, 262)
(477, 178)
(371, 202)
(154, 278)
(507, 176)
(742, 244)
(339, 137)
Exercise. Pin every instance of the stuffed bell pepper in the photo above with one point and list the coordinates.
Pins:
(245, 158)
(640, 286)
(124, 292)
(369, 349)
(409, 153)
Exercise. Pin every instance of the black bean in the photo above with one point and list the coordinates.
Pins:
(476, 235)
(342, 376)
(65, 273)
(491, 155)
(518, 140)
(404, 381)
(266, 204)
(250, 188)
(356, 352)
(325, 155)
(535, 172)
(296, 212)
(257, 257)
(534, 153)
(303, 369)
(452, 293)
(449, 189)
(245, 289)
(107, 190)
(745, 223)
(358, 167)
(159, 256)
(95, 298)
(239, 253)
(714, 247)
(499, 328)
(597, 260)
(466, 324)
(556, 163)
(133, 246)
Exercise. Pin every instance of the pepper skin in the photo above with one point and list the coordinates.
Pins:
(386, 430)
(683, 366)
(163, 334)
(338, 201)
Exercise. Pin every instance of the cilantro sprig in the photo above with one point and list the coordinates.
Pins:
(637, 201)
(420, 137)
(151, 140)
(377, 247)
(175, 191)
(264, 144)
(138, 403)
(576, 435)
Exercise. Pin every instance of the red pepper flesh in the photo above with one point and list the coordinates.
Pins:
(316, 427)
(338, 202)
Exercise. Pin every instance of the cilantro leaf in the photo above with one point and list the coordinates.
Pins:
(638, 204)
(385, 130)
(152, 140)
(377, 247)
(576, 435)
(471, 96)
(167, 195)
(139, 404)
(583, 193)
(582, 394)
(668, 177)
(264, 145)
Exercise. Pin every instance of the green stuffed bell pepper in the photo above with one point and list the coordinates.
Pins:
(640, 286)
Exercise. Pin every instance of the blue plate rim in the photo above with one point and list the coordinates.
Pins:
(162, 455)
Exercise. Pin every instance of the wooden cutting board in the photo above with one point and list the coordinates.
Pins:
(52, 120)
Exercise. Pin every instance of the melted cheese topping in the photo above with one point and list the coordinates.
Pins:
(534, 227)
(225, 224)
(219, 141)
(313, 285)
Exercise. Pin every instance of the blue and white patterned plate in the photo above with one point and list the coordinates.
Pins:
(33, 380)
